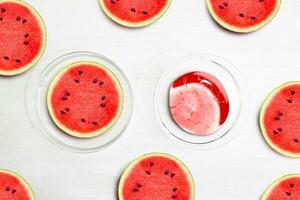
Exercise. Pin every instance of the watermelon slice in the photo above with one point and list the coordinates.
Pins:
(156, 176)
(22, 36)
(285, 188)
(135, 13)
(14, 187)
(280, 119)
(85, 99)
(243, 15)
(198, 103)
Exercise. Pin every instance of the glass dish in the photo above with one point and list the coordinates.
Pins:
(36, 104)
(227, 74)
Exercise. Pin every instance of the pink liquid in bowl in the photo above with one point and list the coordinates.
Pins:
(198, 103)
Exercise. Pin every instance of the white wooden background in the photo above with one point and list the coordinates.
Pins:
(240, 170)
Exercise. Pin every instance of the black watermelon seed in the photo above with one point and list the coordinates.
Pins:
(68, 93)
(280, 114)
(65, 98)
(241, 15)
(103, 98)
(26, 42)
(139, 185)
(67, 109)
(145, 12)
(135, 190)
(14, 191)
(3, 10)
(221, 7)
(112, 1)
(76, 80)
(148, 172)
(26, 35)
(151, 164)
(101, 83)
(95, 123)
(290, 101)
(7, 188)
(288, 193)
(18, 60)
(174, 189)
(296, 140)
(6, 58)
(95, 81)
(253, 18)
(166, 172)
(172, 175)
(18, 18)
(62, 112)
(293, 92)
(292, 185)
(24, 21)
(83, 120)
(102, 105)
(133, 10)
(275, 132)
(174, 196)
(80, 72)
(277, 118)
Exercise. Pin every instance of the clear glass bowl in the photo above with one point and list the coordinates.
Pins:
(227, 74)
(36, 104)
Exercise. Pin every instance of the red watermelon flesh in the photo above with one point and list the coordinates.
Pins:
(13, 188)
(135, 11)
(85, 99)
(286, 189)
(158, 177)
(22, 36)
(281, 118)
(243, 13)
(198, 103)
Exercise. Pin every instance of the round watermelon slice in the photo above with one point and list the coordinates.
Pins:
(156, 176)
(85, 99)
(285, 188)
(243, 16)
(14, 187)
(22, 36)
(280, 119)
(135, 13)
(198, 103)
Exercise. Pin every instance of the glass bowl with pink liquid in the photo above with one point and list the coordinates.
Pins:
(200, 101)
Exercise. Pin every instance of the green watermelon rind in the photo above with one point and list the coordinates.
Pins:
(135, 24)
(267, 192)
(261, 120)
(44, 31)
(97, 132)
(238, 29)
(22, 180)
(136, 161)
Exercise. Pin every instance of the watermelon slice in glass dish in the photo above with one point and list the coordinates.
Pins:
(85, 99)
(81, 101)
